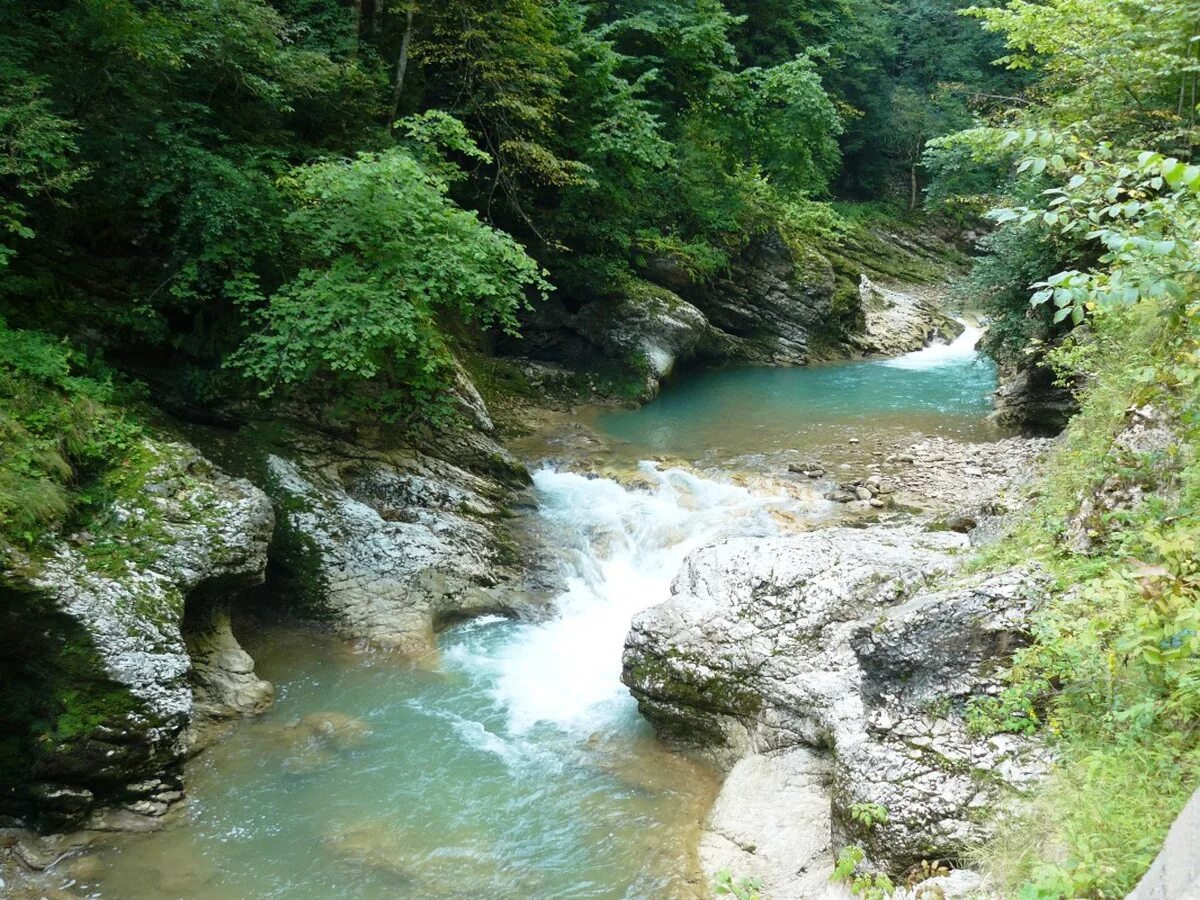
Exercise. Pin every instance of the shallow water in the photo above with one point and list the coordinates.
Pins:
(511, 764)
(713, 415)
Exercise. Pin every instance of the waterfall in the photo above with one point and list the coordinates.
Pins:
(938, 354)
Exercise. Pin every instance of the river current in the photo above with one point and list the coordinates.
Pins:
(513, 763)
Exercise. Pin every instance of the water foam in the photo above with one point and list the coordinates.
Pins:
(936, 355)
(619, 550)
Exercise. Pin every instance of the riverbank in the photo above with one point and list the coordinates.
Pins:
(350, 515)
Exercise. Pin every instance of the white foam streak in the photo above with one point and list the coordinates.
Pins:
(936, 355)
(620, 549)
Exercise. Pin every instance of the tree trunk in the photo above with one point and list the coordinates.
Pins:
(401, 68)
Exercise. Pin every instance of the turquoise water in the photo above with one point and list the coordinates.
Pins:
(512, 763)
(940, 390)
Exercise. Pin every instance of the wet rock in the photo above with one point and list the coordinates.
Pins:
(1030, 399)
(332, 729)
(807, 469)
(840, 496)
(896, 322)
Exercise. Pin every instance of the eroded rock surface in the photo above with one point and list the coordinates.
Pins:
(97, 697)
(388, 546)
(838, 642)
(899, 322)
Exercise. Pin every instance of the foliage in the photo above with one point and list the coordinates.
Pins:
(381, 253)
(58, 428)
(724, 885)
(1112, 672)
(868, 885)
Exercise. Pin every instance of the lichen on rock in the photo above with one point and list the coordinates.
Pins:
(97, 690)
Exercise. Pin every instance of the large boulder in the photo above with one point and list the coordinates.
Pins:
(389, 546)
(836, 641)
(97, 701)
(896, 322)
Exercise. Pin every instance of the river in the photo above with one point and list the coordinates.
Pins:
(513, 763)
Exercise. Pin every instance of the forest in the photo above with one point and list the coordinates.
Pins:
(260, 203)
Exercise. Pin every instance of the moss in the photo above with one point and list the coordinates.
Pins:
(689, 710)
(54, 692)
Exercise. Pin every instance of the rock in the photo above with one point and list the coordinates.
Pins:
(390, 545)
(771, 820)
(863, 493)
(840, 496)
(646, 330)
(960, 522)
(224, 685)
(836, 641)
(771, 306)
(331, 729)
(748, 616)
(895, 322)
(1030, 399)
(852, 440)
(1146, 455)
(808, 470)
(92, 636)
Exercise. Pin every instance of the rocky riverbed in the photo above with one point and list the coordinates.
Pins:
(823, 668)
(828, 672)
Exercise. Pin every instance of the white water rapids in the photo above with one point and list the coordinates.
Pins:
(619, 550)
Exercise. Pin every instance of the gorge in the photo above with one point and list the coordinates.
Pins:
(642, 448)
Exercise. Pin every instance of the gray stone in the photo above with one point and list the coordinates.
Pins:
(191, 529)
(836, 641)
(1175, 872)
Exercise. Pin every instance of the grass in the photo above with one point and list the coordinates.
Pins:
(61, 428)
(1112, 678)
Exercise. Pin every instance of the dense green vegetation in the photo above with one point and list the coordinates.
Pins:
(238, 200)
(1098, 205)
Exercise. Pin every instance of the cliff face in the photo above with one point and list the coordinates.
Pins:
(776, 305)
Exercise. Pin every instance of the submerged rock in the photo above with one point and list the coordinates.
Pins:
(836, 641)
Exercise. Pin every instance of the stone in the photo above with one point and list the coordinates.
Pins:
(189, 530)
(897, 322)
(839, 642)
(224, 685)
(771, 821)
(389, 546)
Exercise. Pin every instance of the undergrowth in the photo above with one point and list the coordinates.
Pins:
(62, 427)
(1112, 677)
